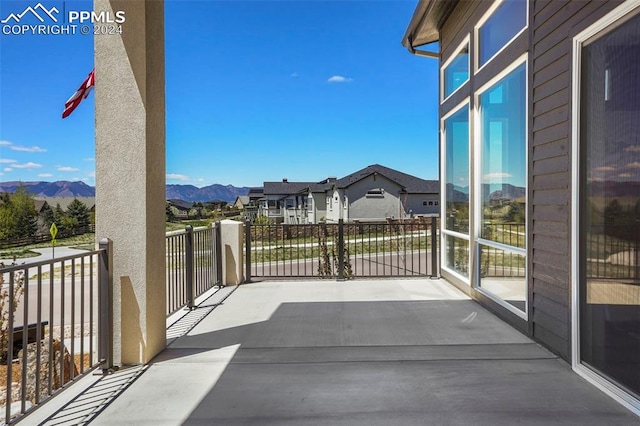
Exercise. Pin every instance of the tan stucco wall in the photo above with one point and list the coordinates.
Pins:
(130, 173)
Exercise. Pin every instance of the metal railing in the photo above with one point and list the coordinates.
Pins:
(194, 265)
(613, 252)
(396, 248)
(56, 326)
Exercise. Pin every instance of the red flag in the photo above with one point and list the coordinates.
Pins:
(82, 92)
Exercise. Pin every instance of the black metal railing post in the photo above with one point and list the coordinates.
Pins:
(105, 302)
(340, 250)
(218, 248)
(247, 248)
(435, 271)
(188, 265)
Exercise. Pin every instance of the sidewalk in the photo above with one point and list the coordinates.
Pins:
(370, 352)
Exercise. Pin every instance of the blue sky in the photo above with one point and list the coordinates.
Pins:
(255, 91)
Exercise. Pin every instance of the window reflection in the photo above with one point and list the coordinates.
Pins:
(503, 274)
(610, 205)
(457, 71)
(457, 171)
(503, 160)
(505, 22)
(457, 255)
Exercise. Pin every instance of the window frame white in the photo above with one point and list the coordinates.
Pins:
(466, 41)
(603, 26)
(443, 190)
(477, 187)
(476, 32)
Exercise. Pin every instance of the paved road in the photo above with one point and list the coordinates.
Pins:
(46, 253)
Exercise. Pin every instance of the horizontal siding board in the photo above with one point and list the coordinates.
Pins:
(559, 328)
(551, 118)
(542, 59)
(552, 101)
(553, 291)
(544, 10)
(551, 181)
(553, 213)
(543, 258)
(556, 24)
(551, 86)
(551, 197)
(550, 244)
(550, 71)
(550, 150)
(550, 228)
(554, 276)
(551, 341)
(551, 165)
(551, 134)
(550, 306)
(460, 23)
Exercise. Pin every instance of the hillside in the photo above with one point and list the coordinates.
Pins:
(80, 189)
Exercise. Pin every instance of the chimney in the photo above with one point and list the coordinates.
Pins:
(285, 180)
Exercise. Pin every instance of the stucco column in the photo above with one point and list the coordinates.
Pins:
(130, 173)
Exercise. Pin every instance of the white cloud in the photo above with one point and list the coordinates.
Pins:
(67, 169)
(5, 143)
(604, 169)
(635, 148)
(339, 79)
(7, 169)
(625, 175)
(27, 148)
(294, 74)
(1, 174)
(89, 159)
(175, 176)
(92, 175)
(45, 175)
(7, 161)
(634, 165)
(29, 165)
(496, 176)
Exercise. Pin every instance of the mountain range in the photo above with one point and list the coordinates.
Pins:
(80, 189)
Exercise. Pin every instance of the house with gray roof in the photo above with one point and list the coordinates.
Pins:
(378, 193)
(372, 194)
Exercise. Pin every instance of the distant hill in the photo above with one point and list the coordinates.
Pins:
(60, 188)
(207, 193)
(502, 191)
(80, 189)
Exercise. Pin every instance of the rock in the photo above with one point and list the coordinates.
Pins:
(45, 368)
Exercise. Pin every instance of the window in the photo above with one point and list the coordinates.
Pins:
(503, 23)
(608, 207)
(456, 179)
(375, 193)
(501, 182)
(455, 189)
(502, 109)
(456, 70)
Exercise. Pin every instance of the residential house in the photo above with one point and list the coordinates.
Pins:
(374, 193)
(540, 154)
(180, 208)
(286, 202)
(377, 193)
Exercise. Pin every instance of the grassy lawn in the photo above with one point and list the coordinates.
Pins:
(81, 242)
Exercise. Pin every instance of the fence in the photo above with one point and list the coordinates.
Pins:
(396, 248)
(55, 326)
(194, 265)
(613, 252)
(35, 239)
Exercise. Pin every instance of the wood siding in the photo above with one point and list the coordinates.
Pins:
(548, 41)
(553, 24)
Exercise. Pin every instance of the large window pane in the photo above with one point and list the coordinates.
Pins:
(457, 71)
(456, 129)
(503, 159)
(457, 255)
(503, 274)
(505, 22)
(609, 283)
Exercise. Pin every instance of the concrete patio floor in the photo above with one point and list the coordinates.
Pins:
(363, 352)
